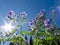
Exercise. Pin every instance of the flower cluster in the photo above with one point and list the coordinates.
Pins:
(44, 29)
(10, 15)
(35, 23)
(41, 20)
(23, 15)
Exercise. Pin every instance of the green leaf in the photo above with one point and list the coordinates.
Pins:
(50, 38)
(25, 32)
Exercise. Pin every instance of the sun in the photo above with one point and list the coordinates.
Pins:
(8, 27)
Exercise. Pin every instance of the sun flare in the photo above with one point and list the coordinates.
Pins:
(8, 27)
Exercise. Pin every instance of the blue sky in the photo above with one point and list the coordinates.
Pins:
(32, 7)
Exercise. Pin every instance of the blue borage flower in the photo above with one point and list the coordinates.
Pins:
(11, 12)
(47, 22)
(31, 23)
(23, 14)
(42, 11)
(52, 12)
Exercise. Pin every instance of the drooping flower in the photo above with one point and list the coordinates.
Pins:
(47, 22)
(41, 14)
(31, 23)
(52, 12)
(11, 12)
(42, 11)
(23, 14)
